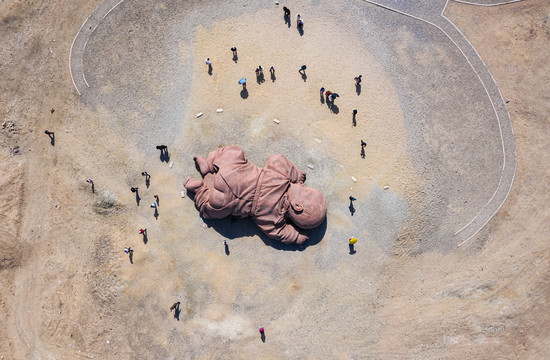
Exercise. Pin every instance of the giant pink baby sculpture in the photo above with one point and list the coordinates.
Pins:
(275, 196)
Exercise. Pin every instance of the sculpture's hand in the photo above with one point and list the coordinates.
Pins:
(302, 178)
(302, 239)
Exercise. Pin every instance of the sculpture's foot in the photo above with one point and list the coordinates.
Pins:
(202, 164)
(192, 184)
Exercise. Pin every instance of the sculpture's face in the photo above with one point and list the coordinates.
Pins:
(308, 207)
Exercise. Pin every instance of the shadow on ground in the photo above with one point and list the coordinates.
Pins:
(234, 228)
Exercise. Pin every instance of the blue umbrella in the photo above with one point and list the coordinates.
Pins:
(242, 81)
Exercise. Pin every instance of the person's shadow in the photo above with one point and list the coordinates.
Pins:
(263, 337)
(52, 138)
(138, 199)
(177, 312)
(358, 89)
(287, 20)
(304, 75)
(145, 238)
(260, 78)
(351, 207)
(301, 30)
(273, 78)
(235, 57)
(244, 93)
(164, 155)
(334, 108)
(362, 152)
(156, 214)
(352, 249)
(210, 70)
(322, 98)
(227, 252)
(354, 120)
(131, 256)
(147, 182)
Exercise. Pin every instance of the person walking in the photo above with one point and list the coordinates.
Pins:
(363, 144)
(358, 79)
(142, 231)
(234, 49)
(145, 174)
(134, 189)
(128, 250)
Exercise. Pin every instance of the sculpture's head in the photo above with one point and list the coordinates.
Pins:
(308, 207)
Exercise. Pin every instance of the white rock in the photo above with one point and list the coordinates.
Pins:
(182, 194)
(318, 140)
(386, 187)
(219, 110)
(171, 164)
(199, 114)
(353, 178)
(276, 121)
(310, 166)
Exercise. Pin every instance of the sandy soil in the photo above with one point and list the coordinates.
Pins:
(67, 290)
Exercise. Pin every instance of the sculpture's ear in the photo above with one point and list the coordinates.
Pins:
(297, 207)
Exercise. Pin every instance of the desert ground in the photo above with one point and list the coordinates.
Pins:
(451, 215)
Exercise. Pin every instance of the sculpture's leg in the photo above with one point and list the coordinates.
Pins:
(192, 184)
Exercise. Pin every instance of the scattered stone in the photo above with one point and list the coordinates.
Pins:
(386, 187)
(171, 164)
(16, 150)
(182, 194)
(276, 121)
(52, 110)
(199, 114)
(318, 140)
(310, 166)
(204, 226)
(354, 179)
(219, 110)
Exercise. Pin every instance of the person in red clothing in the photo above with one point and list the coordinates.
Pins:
(275, 197)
